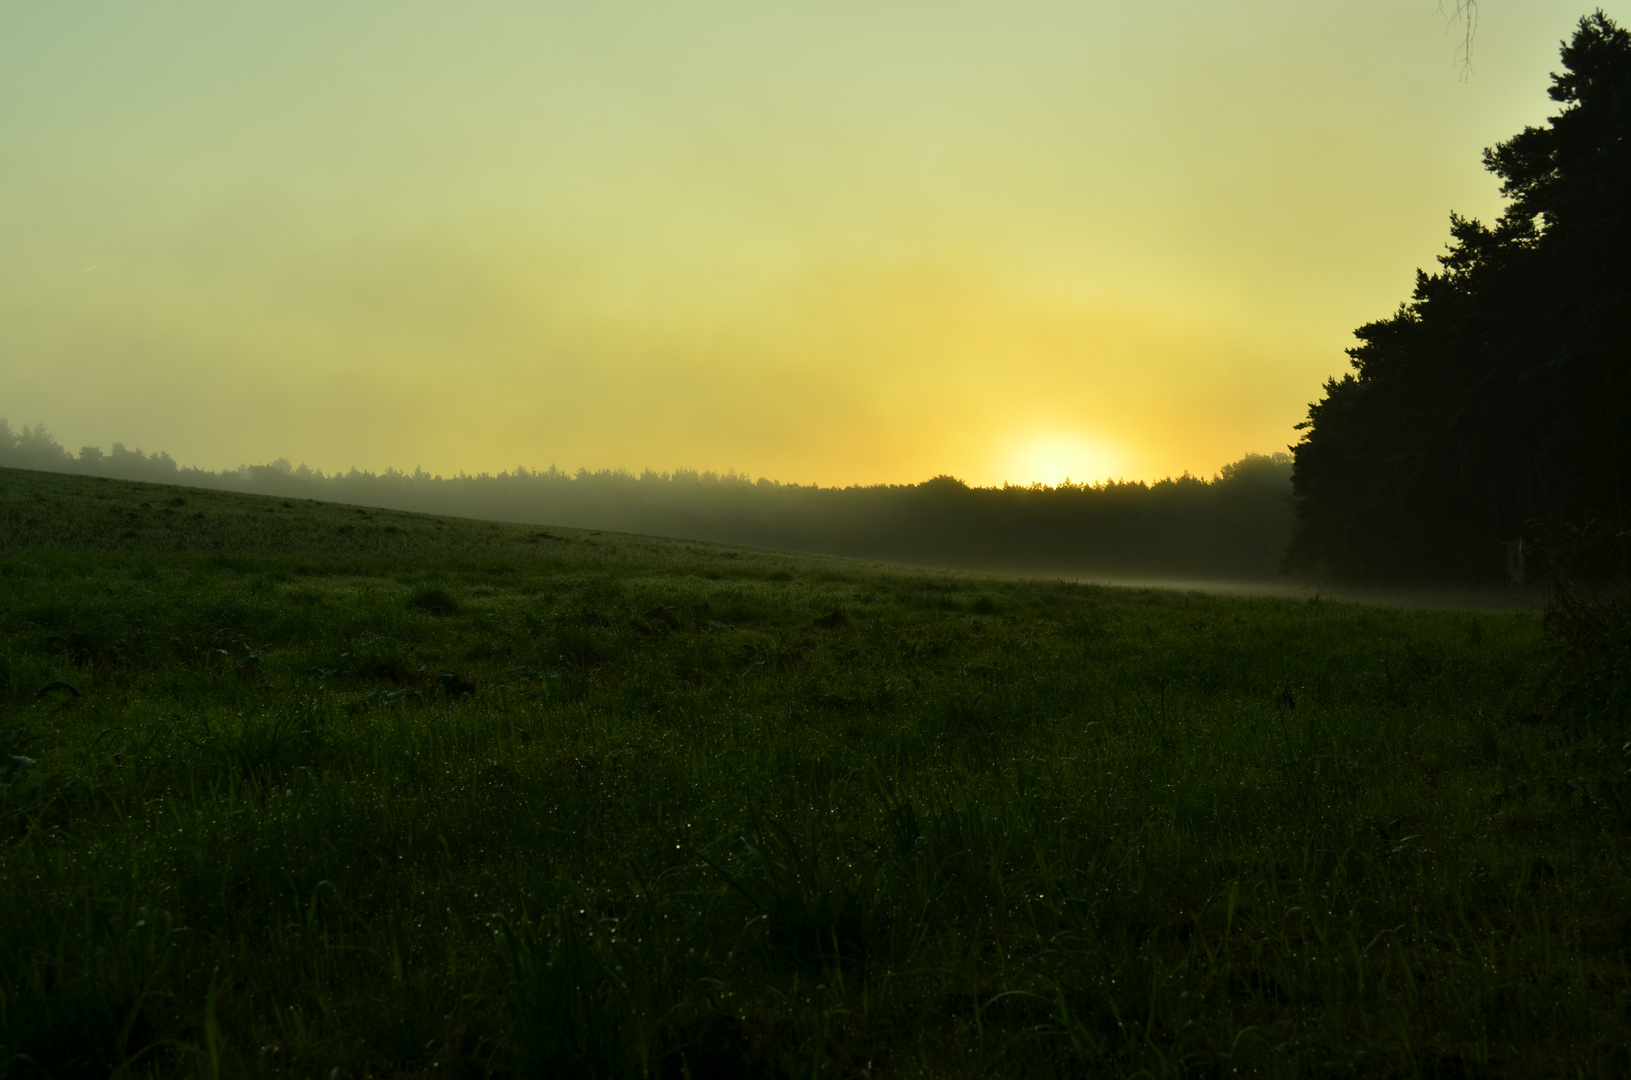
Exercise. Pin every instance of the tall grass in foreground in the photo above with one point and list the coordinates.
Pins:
(297, 788)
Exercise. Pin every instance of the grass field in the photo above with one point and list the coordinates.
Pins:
(306, 790)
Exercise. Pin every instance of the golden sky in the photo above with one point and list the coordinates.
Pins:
(841, 242)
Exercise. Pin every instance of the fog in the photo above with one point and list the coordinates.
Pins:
(1230, 528)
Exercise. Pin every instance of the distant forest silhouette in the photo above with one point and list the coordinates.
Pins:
(1492, 413)
(1233, 527)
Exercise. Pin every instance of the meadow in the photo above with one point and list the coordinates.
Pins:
(310, 790)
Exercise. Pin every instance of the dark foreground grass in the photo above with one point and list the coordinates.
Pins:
(305, 790)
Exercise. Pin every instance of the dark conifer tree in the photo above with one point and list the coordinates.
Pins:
(1498, 399)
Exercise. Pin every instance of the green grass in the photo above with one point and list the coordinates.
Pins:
(307, 790)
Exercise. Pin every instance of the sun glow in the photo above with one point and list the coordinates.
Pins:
(1057, 456)
(833, 244)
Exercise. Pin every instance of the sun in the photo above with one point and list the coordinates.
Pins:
(1056, 456)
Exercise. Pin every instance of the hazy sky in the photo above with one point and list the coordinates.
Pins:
(837, 242)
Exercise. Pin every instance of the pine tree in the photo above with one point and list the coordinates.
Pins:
(1498, 398)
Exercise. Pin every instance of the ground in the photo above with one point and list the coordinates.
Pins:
(313, 790)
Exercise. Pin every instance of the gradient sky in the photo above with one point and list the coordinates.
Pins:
(840, 242)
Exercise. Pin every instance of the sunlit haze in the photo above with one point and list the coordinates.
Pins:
(835, 243)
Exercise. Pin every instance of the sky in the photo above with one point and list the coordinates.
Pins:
(833, 243)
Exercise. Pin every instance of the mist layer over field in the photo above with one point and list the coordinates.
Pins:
(1232, 527)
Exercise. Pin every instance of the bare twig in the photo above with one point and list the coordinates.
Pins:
(1464, 12)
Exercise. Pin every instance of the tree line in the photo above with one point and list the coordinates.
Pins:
(1232, 527)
